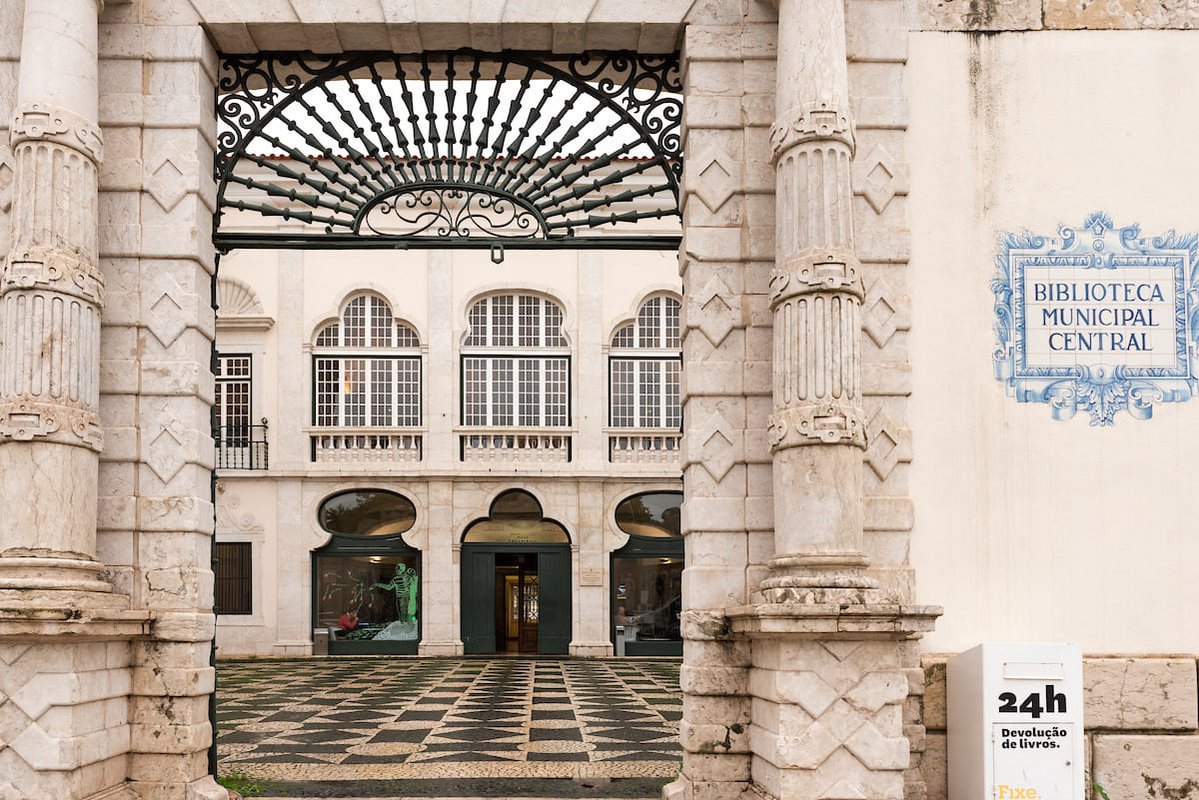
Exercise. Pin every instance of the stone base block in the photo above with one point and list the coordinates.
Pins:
(451, 647)
(1141, 694)
(686, 789)
(1147, 767)
(601, 649)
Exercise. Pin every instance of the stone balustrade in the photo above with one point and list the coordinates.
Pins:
(515, 446)
(366, 445)
(643, 447)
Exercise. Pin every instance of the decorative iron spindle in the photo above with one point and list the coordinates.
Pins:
(450, 149)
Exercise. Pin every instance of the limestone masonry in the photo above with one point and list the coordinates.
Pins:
(780, 449)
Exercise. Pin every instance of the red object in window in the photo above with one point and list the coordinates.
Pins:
(348, 621)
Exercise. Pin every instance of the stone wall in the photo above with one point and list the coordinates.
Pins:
(1031, 15)
(1142, 722)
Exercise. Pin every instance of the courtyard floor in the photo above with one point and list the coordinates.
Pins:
(449, 727)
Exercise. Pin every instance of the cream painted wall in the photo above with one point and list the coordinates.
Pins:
(1030, 529)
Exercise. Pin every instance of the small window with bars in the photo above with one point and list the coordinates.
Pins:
(234, 578)
(529, 384)
(645, 362)
(367, 369)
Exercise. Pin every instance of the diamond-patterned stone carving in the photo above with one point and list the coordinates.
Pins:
(716, 437)
(884, 312)
(888, 443)
(166, 185)
(166, 320)
(811, 748)
(7, 174)
(841, 650)
(715, 184)
(844, 790)
(876, 751)
(854, 745)
(879, 176)
(718, 311)
(165, 456)
(877, 690)
(808, 690)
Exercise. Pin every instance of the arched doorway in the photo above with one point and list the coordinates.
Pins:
(516, 577)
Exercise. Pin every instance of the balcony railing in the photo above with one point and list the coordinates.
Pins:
(644, 446)
(365, 445)
(508, 446)
(242, 446)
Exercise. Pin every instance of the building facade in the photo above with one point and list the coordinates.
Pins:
(894, 170)
(523, 419)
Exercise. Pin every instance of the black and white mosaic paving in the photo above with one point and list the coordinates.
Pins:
(435, 719)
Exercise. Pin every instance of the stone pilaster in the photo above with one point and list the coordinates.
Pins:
(440, 628)
(817, 429)
(51, 293)
(831, 654)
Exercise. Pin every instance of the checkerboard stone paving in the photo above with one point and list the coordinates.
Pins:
(369, 721)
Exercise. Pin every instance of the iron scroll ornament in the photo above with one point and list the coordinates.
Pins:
(450, 149)
(1102, 381)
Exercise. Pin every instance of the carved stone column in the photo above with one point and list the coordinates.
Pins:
(817, 429)
(830, 652)
(51, 293)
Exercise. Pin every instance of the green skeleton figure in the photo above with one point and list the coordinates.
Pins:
(404, 585)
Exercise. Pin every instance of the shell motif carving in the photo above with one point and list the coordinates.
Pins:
(236, 299)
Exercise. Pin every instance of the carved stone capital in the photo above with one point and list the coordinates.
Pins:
(46, 122)
(820, 271)
(24, 420)
(63, 271)
(829, 422)
(819, 121)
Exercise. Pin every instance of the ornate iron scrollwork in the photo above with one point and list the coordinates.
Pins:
(460, 148)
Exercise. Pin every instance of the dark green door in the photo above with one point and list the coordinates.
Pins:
(553, 578)
(478, 601)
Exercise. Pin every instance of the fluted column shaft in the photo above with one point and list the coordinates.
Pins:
(51, 293)
(817, 428)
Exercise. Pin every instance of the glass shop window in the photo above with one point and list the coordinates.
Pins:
(367, 578)
(647, 573)
(369, 598)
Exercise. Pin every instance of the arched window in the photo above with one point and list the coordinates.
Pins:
(367, 369)
(645, 360)
(515, 364)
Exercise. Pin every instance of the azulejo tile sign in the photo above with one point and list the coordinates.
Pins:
(1097, 318)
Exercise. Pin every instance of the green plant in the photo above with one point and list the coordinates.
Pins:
(1097, 792)
(242, 784)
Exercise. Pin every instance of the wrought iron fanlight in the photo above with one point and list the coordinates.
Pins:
(462, 149)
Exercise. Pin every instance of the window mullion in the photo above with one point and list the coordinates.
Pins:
(662, 392)
(542, 389)
(485, 372)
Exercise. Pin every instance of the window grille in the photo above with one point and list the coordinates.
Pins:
(234, 578)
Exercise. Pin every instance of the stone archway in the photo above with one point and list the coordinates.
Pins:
(111, 603)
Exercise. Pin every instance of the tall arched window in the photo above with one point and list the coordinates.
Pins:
(515, 364)
(367, 369)
(644, 364)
